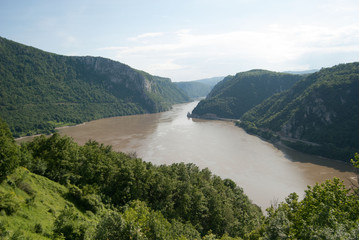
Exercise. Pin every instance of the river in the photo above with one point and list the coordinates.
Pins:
(266, 173)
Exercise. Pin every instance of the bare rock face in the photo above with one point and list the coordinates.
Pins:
(313, 115)
(117, 72)
(156, 93)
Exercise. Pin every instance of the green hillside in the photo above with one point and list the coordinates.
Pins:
(31, 203)
(323, 108)
(40, 91)
(235, 95)
(199, 88)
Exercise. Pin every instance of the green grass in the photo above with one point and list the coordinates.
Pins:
(38, 201)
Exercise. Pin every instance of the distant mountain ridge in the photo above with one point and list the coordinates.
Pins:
(41, 90)
(198, 88)
(210, 81)
(235, 95)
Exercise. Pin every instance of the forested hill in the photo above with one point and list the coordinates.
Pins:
(235, 95)
(323, 108)
(41, 90)
(198, 88)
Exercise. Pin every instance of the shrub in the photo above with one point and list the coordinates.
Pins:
(69, 225)
(38, 228)
(8, 203)
(9, 154)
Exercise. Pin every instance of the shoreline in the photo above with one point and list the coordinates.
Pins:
(211, 117)
(19, 139)
(277, 140)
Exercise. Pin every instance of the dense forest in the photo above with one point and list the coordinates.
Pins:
(40, 91)
(323, 109)
(52, 188)
(235, 95)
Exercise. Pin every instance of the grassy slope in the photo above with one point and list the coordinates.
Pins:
(39, 201)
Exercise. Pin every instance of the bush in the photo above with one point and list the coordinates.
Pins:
(91, 202)
(111, 227)
(38, 228)
(26, 187)
(69, 225)
(9, 154)
(9, 203)
(328, 211)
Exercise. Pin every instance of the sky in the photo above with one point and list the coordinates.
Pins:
(191, 39)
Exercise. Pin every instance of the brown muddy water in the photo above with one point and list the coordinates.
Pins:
(267, 173)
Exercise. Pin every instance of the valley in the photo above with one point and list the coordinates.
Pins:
(266, 172)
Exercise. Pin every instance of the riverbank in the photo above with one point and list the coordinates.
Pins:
(320, 149)
(210, 116)
(324, 150)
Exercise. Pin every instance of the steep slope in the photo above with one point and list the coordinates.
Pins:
(40, 90)
(323, 108)
(235, 95)
(30, 205)
(198, 88)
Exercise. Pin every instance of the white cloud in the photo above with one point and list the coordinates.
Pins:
(169, 65)
(277, 47)
(341, 6)
(145, 36)
(68, 40)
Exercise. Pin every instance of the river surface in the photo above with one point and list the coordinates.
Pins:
(267, 173)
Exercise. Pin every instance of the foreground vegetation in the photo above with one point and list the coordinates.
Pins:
(99, 189)
(52, 188)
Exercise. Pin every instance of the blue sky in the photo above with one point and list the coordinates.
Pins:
(191, 39)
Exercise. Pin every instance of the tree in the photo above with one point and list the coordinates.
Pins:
(9, 151)
(140, 222)
(111, 226)
(355, 163)
(70, 225)
(328, 211)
